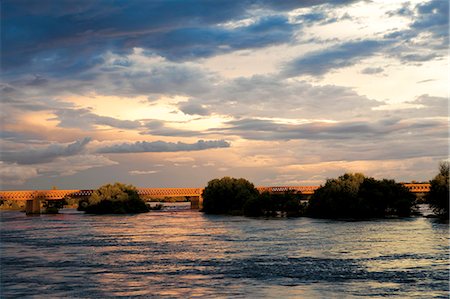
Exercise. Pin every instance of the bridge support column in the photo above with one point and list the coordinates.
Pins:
(194, 203)
(200, 202)
(197, 202)
(33, 206)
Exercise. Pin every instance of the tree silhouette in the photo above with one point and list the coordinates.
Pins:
(227, 195)
(356, 196)
(116, 199)
(438, 197)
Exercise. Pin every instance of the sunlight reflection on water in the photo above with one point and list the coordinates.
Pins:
(187, 254)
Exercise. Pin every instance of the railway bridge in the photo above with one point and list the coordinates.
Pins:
(34, 198)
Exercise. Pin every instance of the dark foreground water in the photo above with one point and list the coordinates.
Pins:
(187, 254)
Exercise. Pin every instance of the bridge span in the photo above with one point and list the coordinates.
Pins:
(33, 198)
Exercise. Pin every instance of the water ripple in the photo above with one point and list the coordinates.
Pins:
(187, 254)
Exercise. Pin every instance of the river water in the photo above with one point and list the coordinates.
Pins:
(182, 253)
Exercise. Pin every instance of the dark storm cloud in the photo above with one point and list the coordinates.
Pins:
(66, 37)
(45, 154)
(322, 61)
(162, 146)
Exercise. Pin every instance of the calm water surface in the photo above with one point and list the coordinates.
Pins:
(187, 254)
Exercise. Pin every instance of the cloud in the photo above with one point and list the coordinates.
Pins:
(162, 146)
(405, 168)
(181, 159)
(159, 77)
(270, 95)
(427, 36)
(85, 119)
(193, 108)
(433, 17)
(410, 45)
(159, 128)
(20, 101)
(21, 137)
(418, 57)
(142, 172)
(61, 38)
(45, 154)
(292, 4)
(14, 174)
(429, 106)
(258, 129)
(55, 51)
(319, 62)
(372, 70)
(201, 42)
(65, 166)
(67, 37)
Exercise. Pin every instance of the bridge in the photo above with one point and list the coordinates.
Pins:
(33, 198)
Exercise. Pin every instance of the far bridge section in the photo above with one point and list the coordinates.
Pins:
(305, 190)
(418, 187)
(194, 194)
(33, 198)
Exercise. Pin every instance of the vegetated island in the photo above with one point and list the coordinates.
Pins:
(234, 196)
(438, 198)
(350, 196)
(117, 198)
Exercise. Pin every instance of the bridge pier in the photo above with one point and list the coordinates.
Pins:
(197, 202)
(33, 206)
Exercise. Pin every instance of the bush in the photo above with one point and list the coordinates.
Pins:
(116, 199)
(227, 195)
(438, 197)
(356, 196)
(287, 203)
(252, 207)
(293, 208)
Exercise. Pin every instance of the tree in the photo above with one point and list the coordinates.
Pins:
(356, 196)
(227, 195)
(287, 203)
(438, 197)
(252, 207)
(269, 204)
(337, 198)
(116, 199)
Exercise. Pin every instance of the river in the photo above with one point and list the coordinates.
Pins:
(180, 253)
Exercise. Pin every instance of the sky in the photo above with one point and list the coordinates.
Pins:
(176, 93)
